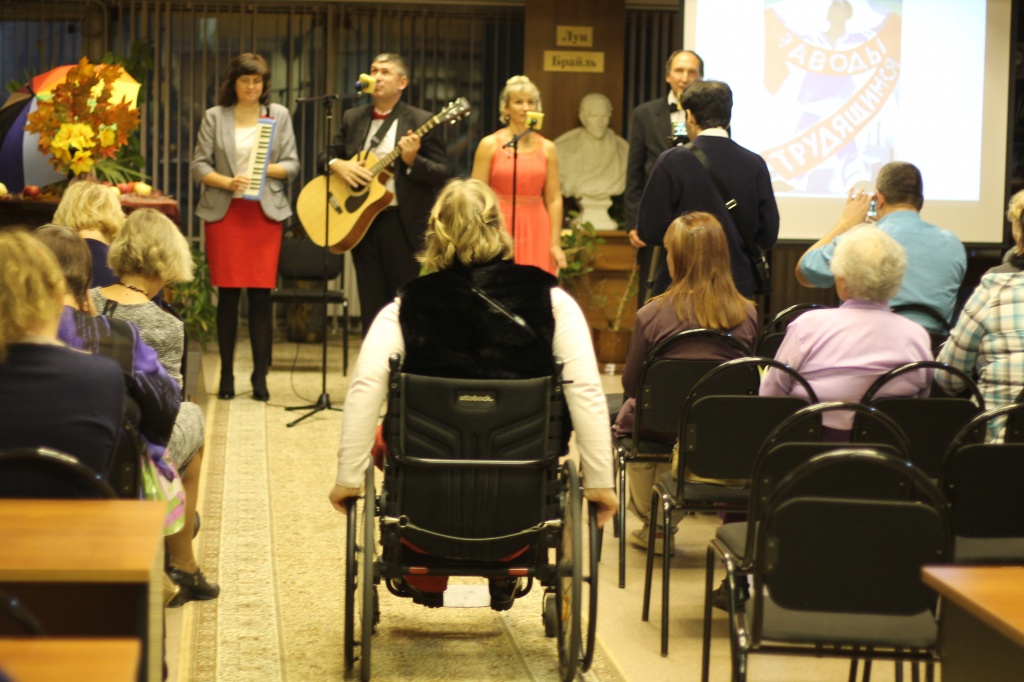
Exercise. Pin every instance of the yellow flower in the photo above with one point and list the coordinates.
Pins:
(107, 137)
(77, 135)
(82, 163)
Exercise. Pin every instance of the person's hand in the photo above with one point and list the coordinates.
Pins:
(635, 241)
(410, 146)
(558, 256)
(607, 503)
(855, 212)
(238, 183)
(339, 494)
(353, 173)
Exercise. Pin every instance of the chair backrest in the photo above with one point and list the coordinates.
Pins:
(918, 311)
(982, 482)
(724, 422)
(805, 426)
(929, 424)
(830, 546)
(472, 459)
(302, 259)
(42, 473)
(770, 338)
(1014, 428)
(665, 382)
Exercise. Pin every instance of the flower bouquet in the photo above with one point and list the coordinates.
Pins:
(81, 129)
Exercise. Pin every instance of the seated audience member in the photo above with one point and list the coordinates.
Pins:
(842, 351)
(50, 395)
(701, 294)
(988, 339)
(442, 327)
(93, 211)
(936, 259)
(148, 253)
(153, 397)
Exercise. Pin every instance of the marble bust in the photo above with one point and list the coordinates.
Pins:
(592, 161)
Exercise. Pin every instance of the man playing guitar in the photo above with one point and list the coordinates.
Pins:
(385, 258)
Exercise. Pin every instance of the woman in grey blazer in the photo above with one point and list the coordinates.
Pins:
(243, 237)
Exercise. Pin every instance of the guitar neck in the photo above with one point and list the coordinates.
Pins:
(390, 157)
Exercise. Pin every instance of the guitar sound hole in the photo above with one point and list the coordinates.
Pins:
(354, 201)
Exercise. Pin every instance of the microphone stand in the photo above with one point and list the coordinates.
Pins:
(324, 401)
(514, 144)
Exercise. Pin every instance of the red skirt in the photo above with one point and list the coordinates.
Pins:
(243, 247)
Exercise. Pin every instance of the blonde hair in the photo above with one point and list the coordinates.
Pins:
(702, 287)
(31, 286)
(466, 225)
(516, 85)
(90, 206)
(1013, 211)
(151, 245)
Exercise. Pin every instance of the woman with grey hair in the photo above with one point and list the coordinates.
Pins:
(149, 252)
(842, 351)
(989, 334)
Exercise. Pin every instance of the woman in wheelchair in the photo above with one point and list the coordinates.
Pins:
(478, 315)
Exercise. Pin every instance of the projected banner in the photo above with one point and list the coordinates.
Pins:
(840, 84)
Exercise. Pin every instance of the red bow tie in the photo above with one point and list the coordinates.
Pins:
(377, 115)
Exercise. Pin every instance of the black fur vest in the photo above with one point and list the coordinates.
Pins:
(451, 331)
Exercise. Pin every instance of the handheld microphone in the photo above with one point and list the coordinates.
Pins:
(535, 120)
(365, 84)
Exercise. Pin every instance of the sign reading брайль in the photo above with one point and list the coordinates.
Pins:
(575, 61)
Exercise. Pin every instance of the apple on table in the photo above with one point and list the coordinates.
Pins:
(30, 191)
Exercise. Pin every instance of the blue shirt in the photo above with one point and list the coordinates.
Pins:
(936, 263)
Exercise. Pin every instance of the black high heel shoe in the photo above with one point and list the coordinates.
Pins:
(259, 388)
(193, 587)
(227, 388)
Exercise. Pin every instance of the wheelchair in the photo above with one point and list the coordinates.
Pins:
(473, 486)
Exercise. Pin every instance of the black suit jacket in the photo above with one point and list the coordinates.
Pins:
(416, 186)
(679, 184)
(650, 126)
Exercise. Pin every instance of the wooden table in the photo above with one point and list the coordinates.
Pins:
(39, 211)
(88, 568)
(46, 659)
(981, 622)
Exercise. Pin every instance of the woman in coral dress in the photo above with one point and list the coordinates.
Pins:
(538, 202)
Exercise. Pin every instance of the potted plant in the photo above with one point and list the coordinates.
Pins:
(193, 302)
(604, 301)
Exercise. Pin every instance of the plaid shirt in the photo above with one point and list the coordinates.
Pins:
(988, 339)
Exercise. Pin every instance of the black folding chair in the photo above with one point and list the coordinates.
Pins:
(837, 565)
(664, 384)
(929, 424)
(770, 338)
(919, 310)
(982, 482)
(42, 473)
(719, 438)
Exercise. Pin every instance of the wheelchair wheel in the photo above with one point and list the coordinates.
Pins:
(590, 587)
(368, 604)
(569, 585)
(351, 582)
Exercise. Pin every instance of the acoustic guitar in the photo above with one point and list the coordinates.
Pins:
(352, 210)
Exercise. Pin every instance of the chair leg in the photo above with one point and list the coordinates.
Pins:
(853, 669)
(929, 672)
(867, 668)
(709, 573)
(649, 557)
(666, 558)
(899, 669)
(622, 523)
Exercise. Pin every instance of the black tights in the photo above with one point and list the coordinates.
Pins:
(260, 333)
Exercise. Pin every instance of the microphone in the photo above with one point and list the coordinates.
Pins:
(365, 84)
(535, 120)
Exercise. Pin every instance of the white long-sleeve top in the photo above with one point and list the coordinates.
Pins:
(571, 343)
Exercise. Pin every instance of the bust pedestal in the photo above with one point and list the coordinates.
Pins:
(594, 210)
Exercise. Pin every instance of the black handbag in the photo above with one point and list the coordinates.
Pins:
(758, 262)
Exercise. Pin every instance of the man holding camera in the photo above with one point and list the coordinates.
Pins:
(936, 259)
